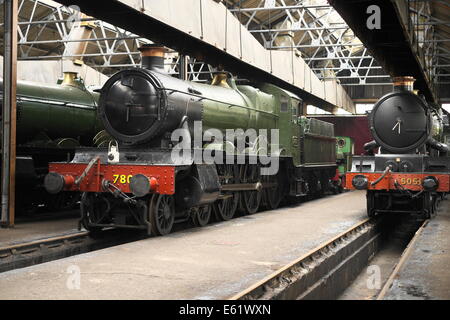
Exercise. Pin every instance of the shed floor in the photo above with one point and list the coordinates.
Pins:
(426, 274)
(26, 231)
(214, 262)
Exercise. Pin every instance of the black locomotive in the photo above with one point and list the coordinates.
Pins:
(410, 171)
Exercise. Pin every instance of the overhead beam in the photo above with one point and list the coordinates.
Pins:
(318, 6)
(197, 35)
(79, 40)
(394, 45)
(300, 29)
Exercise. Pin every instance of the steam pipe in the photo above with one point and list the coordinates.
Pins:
(442, 147)
(371, 145)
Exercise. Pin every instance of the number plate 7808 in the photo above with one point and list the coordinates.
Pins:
(121, 178)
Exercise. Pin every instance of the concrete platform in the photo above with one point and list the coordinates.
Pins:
(214, 262)
(425, 274)
(66, 223)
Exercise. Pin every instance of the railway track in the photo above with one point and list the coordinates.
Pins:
(404, 257)
(48, 249)
(328, 270)
(323, 273)
(52, 248)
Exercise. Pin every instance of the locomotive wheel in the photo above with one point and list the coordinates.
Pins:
(92, 207)
(226, 208)
(430, 205)
(62, 201)
(162, 214)
(202, 216)
(250, 199)
(274, 195)
(437, 202)
(370, 204)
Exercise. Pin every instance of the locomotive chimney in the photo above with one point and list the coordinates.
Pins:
(404, 83)
(152, 57)
(220, 79)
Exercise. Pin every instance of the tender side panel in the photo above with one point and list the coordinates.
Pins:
(319, 150)
(318, 142)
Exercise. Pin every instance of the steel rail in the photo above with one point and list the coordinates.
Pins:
(47, 241)
(26, 254)
(319, 273)
(29, 253)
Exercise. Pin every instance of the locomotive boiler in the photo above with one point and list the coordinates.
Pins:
(138, 183)
(410, 171)
(52, 120)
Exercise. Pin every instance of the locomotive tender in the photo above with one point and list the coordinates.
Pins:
(137, 182)
(410, 173)
(52, 120)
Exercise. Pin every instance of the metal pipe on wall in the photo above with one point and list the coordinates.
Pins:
(9, 114)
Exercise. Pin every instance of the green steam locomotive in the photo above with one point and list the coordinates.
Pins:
(52, 120)
(184, 150)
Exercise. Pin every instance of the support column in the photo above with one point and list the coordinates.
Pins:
(8, 173)
(182, 67)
